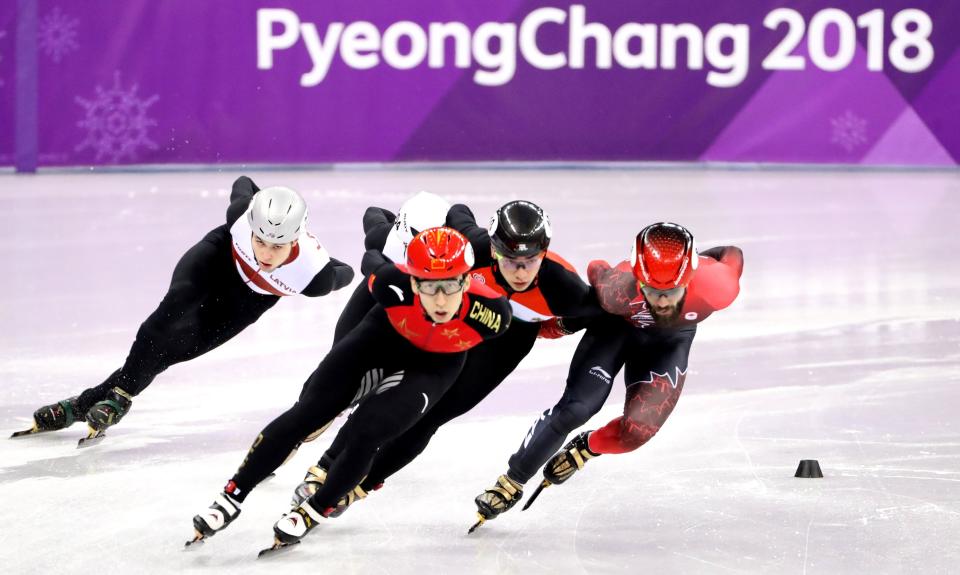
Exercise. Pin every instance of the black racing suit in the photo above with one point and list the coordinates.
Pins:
(207, 304)
(415, 380)
(557, 290)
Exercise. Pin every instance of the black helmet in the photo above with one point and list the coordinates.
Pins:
(520, 229)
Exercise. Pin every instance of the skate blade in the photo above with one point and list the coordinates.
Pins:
(480, 521)
(198, 540)
(32, 431)
(543, 485)
(93, 437)
(278, 548)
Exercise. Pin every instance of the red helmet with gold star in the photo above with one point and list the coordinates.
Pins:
(438, 253)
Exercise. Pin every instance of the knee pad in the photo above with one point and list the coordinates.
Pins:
(572, 415)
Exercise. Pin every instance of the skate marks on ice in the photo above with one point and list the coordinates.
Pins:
(878, 505)
(126, 447)
(848, 356)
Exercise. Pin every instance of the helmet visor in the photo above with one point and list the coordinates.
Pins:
(447, 286)
(654, 293)
(529, 263)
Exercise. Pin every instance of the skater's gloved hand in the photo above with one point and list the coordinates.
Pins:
(596, 270)
(372, 259)
(553, 328)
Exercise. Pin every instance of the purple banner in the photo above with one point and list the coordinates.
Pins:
(247, 81)
(8, 27)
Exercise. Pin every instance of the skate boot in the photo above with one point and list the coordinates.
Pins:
(564, 464)
(59, 415)
(216, 518)
(496, 500)
(574, 456)
(297, 523)
(109, 411)
(315, 478)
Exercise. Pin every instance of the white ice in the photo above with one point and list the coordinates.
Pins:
(844, 347)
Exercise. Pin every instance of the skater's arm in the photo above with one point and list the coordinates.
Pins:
(377, 223)
(332, 277)
(557, 327)
(565, 291)
(718, 280)
(490, 314)
(372, 260)
(460, 218)
(240, 195)
(730, 256)
(388, 285)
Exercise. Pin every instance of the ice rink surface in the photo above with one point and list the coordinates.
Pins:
(844, 346)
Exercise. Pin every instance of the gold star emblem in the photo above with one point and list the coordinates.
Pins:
(462, 344)
(407, 332)
(450, 333)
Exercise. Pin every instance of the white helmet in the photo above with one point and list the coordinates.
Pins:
(277, 215)
(422, 211)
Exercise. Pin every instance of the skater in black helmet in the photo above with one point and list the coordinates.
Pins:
(513, 259)
(221, 285)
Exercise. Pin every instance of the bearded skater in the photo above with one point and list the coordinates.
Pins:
(653, 304)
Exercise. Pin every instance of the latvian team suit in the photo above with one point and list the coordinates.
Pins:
(556, 291)
(419, 360)
(654, 358)
(217, 290)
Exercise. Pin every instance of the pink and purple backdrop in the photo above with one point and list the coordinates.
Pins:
(105, 82)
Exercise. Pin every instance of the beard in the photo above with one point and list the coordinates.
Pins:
(669, 319)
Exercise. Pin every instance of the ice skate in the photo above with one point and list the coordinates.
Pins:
(316, 476)
(110, 410)
(496, 500)
(214, 519)
(314, 479)
(291, 528)
(59, 415)
(104, 414)
(564, 464)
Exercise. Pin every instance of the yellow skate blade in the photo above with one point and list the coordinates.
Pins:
(543, 485)
(480, 521)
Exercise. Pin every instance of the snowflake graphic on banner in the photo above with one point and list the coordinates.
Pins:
(849, 131)
(116, 122)
(58, 34)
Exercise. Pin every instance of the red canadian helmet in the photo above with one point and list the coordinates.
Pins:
(664, 256)
(438, 253)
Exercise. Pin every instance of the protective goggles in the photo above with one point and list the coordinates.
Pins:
(514, 264)
(448, 286)
(654, 293)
